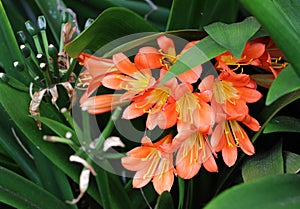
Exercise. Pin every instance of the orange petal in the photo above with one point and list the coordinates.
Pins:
(229, 154)
(164, 182)
(186, 168)
(95, 65)
(251, 123)
(210, 164)
(124, 64)
(167, 45)
(140, 180)
(254, 51)
(249, 95)
(148, 58)
(114, 81)
(132, 112)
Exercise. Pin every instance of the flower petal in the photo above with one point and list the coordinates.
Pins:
(124, 64)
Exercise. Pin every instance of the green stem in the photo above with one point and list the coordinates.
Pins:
(69, 71)
(108, 129)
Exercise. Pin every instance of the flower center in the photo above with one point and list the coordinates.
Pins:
(137, 82)
(224, 91)
(231, 129)
(185, 107)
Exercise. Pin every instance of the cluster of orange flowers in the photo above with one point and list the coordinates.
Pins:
(207, 112)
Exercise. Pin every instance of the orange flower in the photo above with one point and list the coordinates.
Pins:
(194, 150)
(228, 135)
(229, 94)
(260, 52)
(96, 69)
(103, 103)
(132, 79)
(151, 162)
(166, 57)
(191, 110)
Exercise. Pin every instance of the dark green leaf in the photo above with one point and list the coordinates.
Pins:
(58, 153)
(111, 191)
(200, 13)
(8, 44)
(274, 192)
(111, 24)
(283, 84)
(21, 193)
(164, 201)
(283, 124)
(137, 195)
(181, 187)
(292, 162)
(281, 24)
(263, 164)
(234, 36)
(205, 50)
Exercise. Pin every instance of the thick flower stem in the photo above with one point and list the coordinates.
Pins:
(108, 129)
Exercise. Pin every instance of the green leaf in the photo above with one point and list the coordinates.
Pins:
(8, 44)
(274, 192)
(263, 164)
(292, 162)
(52, 178)
(234, 36)
(281, 24)
(10, 144)
(283, 124)
(283, 84)
(164, 201)
(126, 44)
(111, 24)
(18, 192)
(202, 52)
(181, 187)
(137, 197)
(200, 13)
(111, 191)
(57, 153)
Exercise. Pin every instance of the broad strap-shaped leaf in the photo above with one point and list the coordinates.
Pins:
(136, 196)
(281, 24)
(57, 153)
(112, 192)
(283, 124)
(19, 192)
(111, 24)
(273, 192)
(196, 14)
(267, 163)
(164, 201)
(8, 44)
(234, 36)
(287, 81)
(202, 52)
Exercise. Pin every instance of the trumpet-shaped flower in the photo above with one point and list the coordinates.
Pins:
(103, 103)
(151, 162)
(96, 69)
(194, 150)
(228, 135)
(131, 79)
(166, 56)
(191, 110)
(229, 93)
